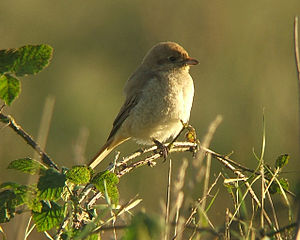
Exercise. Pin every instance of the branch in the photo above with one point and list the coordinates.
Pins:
(297, 61)
(280, 230)
(28, 139)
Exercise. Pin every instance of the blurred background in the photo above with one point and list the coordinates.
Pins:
(247, 67)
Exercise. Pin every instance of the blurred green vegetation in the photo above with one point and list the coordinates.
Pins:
(246, 59)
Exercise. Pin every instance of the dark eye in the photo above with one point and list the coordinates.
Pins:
(172, 59)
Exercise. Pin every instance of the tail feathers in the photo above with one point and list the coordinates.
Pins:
(105, 150)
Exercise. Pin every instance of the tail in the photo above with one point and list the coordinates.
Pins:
(105, 150)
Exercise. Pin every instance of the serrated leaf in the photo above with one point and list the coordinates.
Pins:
(7, 59)
(50, 216)
(7, 205)
(111, 180)
(27, 165)
(79, 174)
(34, 204)
(9, 88)
(282, 161)
(23, 195)
(51, 185)
(19, 190)
(32, 59)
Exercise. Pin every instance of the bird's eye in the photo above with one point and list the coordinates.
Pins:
(172, 59)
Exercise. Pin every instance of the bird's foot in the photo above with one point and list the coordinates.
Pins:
(163, 150)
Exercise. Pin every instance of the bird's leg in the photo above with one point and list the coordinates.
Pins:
(184, 126)
(163, 150)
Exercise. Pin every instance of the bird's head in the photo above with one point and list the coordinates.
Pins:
(166, 56)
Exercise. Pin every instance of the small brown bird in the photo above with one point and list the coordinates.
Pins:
(159, 97)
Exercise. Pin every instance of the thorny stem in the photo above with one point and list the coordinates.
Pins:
(123, 167)
(28, 139)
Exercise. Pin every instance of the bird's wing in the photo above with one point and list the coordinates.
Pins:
(133, 90)
(124, 113)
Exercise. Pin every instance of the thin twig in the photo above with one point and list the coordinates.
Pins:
(297, 55)
(283, 229)
(195, 208)
(206, 180)
(41, 139)
(262, 173)
(28, 139)
(168, 198)
(274, 213)
(227, 225)
(178, 194)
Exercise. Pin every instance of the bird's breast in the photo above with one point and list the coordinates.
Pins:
(164, 103)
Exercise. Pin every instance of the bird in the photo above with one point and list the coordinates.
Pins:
(159, 97)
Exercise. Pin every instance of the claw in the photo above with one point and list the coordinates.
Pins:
(163, 150)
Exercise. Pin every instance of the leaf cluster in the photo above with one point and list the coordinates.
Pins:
(19, 62)
(47, 199)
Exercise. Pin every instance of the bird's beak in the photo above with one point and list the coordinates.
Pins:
(191, 61)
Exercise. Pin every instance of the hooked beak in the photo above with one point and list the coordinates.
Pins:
(191, 61)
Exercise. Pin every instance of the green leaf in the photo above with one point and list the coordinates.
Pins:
(15, 195)
(9, 185)
(93, 237)
(111, 180)
(50, 216)
(79, 174)
(32, 59)
(77, 234)
(7, 205)
(19, 190)
(51, 185)
(9, 88)
(282, 161)
(27, 165)
(275, 188)
(34, 203)
(143, 227)
(7, 59)
(24, 195)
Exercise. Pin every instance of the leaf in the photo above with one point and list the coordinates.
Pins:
(275, 188)
(9, 185)
(51, 185)
(282, 161)
(143, 227)
(24, 195)
(80, 234)
(79, 174)
(14, 196)
(111, 180)
(7, 205)
(27, 165)
(32, 59)
(7, 59)
(19, 191)
(9, 88)
(34, 203)
(50, 216)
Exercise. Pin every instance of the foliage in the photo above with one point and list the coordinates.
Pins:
(107, 181)
(75, 203)
(18, 62)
